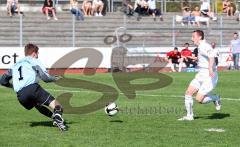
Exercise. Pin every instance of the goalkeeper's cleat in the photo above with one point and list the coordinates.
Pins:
(60, 125)
(186, 118)
(217, 103)
(59, 122)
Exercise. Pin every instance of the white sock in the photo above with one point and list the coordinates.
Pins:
(209, 98)
(180, 67)
(172, 67)
(189, 105)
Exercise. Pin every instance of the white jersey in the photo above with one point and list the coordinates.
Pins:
(205, 6)
(152, 4)
(205, 51)
(235, 46)
(203, 81)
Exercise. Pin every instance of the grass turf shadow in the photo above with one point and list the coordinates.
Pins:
(116, 121)
(218, 116)
(47, 124)
(215, 116)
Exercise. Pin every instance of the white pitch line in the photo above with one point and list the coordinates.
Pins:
(152, 95)
(215, 130)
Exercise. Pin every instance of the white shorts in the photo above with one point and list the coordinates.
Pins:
(97, 3)
(203, 82)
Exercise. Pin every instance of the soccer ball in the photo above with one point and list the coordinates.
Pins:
(111, 109)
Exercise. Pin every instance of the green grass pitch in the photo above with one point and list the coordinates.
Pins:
(149, 120)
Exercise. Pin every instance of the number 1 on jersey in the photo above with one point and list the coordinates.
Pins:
(20, 73)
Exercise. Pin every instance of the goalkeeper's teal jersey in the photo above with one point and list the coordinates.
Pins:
(28, 71)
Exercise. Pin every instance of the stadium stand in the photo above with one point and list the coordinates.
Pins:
(93, 30)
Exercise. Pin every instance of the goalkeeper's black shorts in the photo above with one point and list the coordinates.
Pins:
(34, 95)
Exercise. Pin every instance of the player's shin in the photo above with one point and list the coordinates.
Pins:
(45, 111)
(189, 105)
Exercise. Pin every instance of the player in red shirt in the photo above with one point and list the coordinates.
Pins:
(229, 61)
(174, 57)
(186, 55)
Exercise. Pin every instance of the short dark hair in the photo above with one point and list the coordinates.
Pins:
(200, 33)
(30, 48)
(235, 33)
(186, 44)
(175, 48)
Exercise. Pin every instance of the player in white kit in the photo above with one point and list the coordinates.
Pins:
(206, 78)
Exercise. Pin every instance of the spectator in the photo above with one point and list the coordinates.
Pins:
(206, 10)
(229, 62)
(49, 10)
(13, 7)
(75, 10)
(128, 7)
(228, 8)
(186, 55)
(87, 8)
(153, 10)
(194, 57)
(224, 6)
(174, 57)
(235, 50)
(216, 52)
(97, 7)
(187, 15)
(197, 15)
(141, 7)
(238, 16)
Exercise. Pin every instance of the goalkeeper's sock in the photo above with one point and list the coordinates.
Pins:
(189, 105)
(209, 98)
(58, 110)
(45, 111)
(57, 119)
